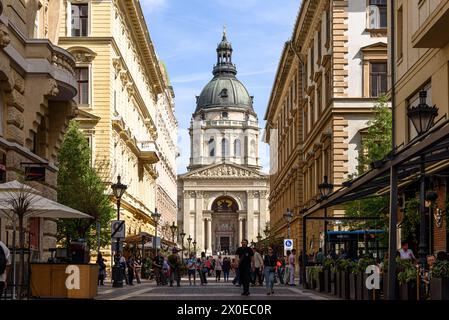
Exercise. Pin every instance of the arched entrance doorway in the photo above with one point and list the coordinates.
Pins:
(225, 225)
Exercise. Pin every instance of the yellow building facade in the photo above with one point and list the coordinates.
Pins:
(330, 75)
(121, 87)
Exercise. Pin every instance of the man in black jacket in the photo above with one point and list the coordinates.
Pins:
(245, 259)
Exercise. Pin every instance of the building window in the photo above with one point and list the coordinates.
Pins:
(224, 115)
(400, 31)
(237, 148)
(378, 78)
(80, 20)
(224, 147)
(319, 46)
(312, 62)
(82, 78)
(377, 14)
(211, 147)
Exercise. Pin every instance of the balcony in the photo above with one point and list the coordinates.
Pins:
(431, 33)
(148, 152)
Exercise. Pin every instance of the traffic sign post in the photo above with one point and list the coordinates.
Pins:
(118, 229)
(288, 245)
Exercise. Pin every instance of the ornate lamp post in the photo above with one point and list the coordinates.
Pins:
(326, 189)
(194, 246)
(289, 216)
(182, 235)
(173, 229)
(422, 117)
(118, 189)
(156, 216)
(189, 240)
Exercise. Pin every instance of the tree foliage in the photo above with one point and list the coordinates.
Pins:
(80, 186)
(376, 145)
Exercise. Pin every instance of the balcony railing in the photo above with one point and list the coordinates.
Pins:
(231, 123)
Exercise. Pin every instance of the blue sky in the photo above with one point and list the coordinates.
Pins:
(186, 33)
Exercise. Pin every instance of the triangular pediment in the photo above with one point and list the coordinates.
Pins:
(224, 170)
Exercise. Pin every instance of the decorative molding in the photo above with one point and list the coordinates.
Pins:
(4, 36)
(225, 171)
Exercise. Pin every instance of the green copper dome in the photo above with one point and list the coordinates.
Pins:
(224, 90)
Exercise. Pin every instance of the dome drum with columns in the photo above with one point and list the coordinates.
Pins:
(223, 196)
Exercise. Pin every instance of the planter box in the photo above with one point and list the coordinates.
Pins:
(334, 289)
(345, 285)
(353, 283)
(338, 283)
(320, 282)
(439, 289)
(407, 291)
(327, 281)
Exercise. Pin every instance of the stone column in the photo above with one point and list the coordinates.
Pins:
(240, 231)
(263, 211)
(250, 217)
(199, 222)
(186, 212)
(209, 236)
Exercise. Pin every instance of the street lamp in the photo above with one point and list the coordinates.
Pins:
(422, 117)
(289, 216)
(194, 246)
(259, 237)
(189, 240)
(118, 189)
(156, 216)
(326, 189)
(182, 235)
(173, 229)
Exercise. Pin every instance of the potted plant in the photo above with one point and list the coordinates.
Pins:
(343, 266)
(439, 281)
(327, 268)
(353, 283)
(407, 280)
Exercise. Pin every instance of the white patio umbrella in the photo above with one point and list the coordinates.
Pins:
(39, 205)
(14, 193)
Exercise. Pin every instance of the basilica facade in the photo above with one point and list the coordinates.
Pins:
(222, 198)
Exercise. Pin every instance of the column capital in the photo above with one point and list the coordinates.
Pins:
(250, 194)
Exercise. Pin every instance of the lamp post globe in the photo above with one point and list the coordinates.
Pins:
(422, 116)
(194, 246)
(189, 240)
(156, 216)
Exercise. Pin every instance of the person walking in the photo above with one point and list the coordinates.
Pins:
(218, 268)
(101, 269)
(5, 262)
(158, 262)
(130, 264)
(226, 268)
(286, 265)
(175, 266)
(292, 267)
(269, 265)
(258, 266)
(191, 268)
(245, 259)
(137, 269)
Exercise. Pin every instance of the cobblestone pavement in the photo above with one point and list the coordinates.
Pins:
(148, 290)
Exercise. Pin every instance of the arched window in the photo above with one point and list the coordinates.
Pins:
(224, 148)
(211, 147)
(253, 148)
(237, 148)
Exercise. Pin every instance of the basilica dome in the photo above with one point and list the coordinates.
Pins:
(224, 90)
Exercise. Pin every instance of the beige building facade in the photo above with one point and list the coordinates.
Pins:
(33, 118)
(330, 76)
(126, 107)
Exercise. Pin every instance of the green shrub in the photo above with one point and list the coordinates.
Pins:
(440, 269)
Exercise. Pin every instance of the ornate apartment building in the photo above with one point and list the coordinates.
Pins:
(422, 65)
(37, 87)
(223, 196)
(125, 104)
(329, 78)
